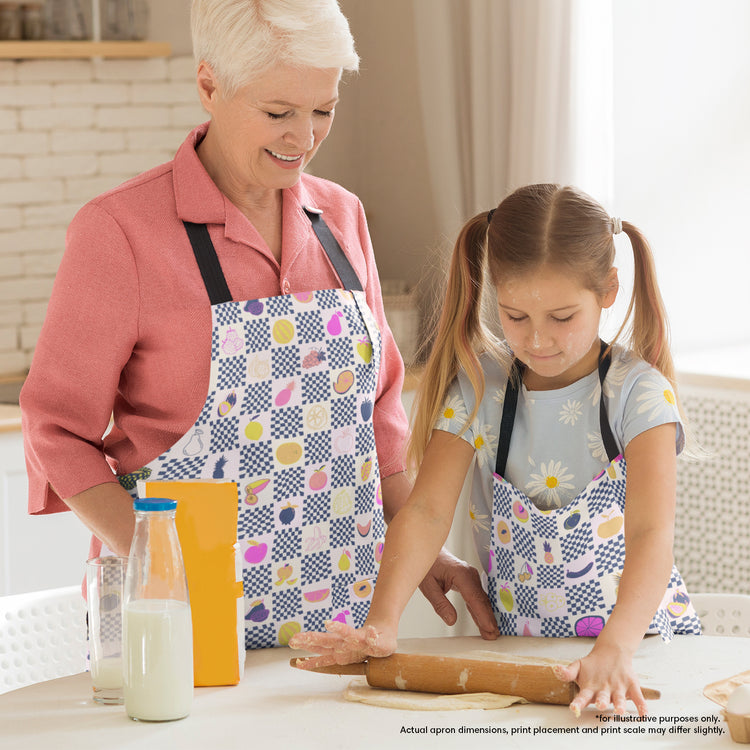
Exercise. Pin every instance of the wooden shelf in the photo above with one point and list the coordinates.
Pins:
(68, 50)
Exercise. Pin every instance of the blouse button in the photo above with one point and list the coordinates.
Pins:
(285, 286)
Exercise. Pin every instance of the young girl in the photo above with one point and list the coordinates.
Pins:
(541, 414)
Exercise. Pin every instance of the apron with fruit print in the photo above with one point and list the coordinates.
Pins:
(288, 416)
(556, 572)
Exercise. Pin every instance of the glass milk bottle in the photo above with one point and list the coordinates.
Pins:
(157, 627)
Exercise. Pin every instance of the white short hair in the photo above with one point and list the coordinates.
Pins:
(242, 39)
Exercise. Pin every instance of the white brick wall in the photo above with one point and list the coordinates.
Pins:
(69, 130)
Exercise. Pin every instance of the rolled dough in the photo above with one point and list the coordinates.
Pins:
(406, 700)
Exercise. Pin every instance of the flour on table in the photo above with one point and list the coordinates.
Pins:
(359, 691)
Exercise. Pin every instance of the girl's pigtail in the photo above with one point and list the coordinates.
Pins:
(459, 336)
(650, 328)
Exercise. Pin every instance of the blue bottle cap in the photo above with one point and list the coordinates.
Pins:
(154, 503)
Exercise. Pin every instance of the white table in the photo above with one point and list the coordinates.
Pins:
(276, 706)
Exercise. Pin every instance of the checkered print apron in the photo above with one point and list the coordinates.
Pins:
(288, 416)
(556, 572)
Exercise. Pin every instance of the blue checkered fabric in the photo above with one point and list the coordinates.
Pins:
(297, 366)
(591, 553)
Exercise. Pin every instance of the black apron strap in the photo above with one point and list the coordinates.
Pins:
(335, 254)
(610, 444)
(213, 276)
(510, 403)
(509, 416)
(208, 263)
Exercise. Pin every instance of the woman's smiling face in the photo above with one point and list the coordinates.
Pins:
(264, 135)
(551, 323)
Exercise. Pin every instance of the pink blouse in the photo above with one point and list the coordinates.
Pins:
(128, 328)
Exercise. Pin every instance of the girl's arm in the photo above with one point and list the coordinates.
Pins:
(412, 542)
(606, 675)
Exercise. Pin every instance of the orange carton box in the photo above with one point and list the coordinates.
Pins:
(206, 523)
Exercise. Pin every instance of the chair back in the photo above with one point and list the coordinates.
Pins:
(723, 614)
(42, 636)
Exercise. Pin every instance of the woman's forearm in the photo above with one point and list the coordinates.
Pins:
(107, 510)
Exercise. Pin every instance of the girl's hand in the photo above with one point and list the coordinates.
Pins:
(605, 677)
(342, 644)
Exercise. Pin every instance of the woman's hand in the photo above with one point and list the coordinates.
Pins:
(343, 644)
(448, 573)
(605, 677)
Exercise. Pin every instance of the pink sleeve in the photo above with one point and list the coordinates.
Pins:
(389, 418)
(87, 338)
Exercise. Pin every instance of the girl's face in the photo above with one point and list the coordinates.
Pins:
(551, 323)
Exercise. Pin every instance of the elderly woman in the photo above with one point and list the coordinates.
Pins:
(225, 308)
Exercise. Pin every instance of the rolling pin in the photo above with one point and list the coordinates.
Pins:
(450, 675)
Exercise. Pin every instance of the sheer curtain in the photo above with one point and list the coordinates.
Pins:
(514, 91)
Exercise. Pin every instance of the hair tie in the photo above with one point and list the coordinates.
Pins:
(616, 225)
(490, 214)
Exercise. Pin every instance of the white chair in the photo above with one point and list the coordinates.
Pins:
(723, 614)
(42, 636)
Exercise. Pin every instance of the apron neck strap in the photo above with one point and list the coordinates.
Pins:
(510, 402)
(213, 276)
(335, 254)
(208, 263)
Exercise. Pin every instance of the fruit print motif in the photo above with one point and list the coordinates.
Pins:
(258, 611)
(256, 552)
(289, 453)
(365, 409)
(226, 405)
(503, 532)
(334, 324)
(506, 598)
(283, 331)
(254, 307)
(287, 513)
(254, 429)
(219, 468)
(319, 595)
(283, 396)
(364, 349)
(313, 359)
(520, 512)
(365, 470)
(318, 480)
(232, 342)
(525, 572)
(344, 382)
(589, 627)
(316, 542)
(195, 444)
(285, 574)
(549, 558)
(678, 605)
(345, 561)
(253, 489)
(610, 526)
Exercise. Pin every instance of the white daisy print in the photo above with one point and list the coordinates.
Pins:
(571, 412)
(454, 409)
(551, 486)
(657, 399)
(479, 521)
(616, 375)
(485, 444)
(596, 446)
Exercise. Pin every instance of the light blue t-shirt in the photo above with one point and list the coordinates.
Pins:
(556, 447)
